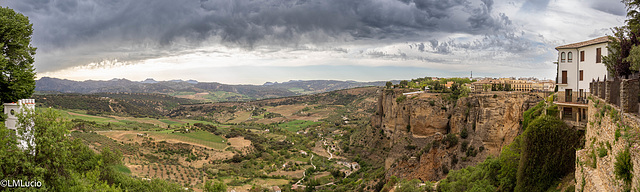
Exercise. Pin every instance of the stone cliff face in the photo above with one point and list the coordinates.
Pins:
(417, 125)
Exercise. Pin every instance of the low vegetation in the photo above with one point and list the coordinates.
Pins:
(535, 161)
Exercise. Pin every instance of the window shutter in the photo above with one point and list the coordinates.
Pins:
(599, 55)
(581, 55)
(581, 74)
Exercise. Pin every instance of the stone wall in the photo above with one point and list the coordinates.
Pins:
(605, 120)
(629, 95)
(621, 93)
(561, 96)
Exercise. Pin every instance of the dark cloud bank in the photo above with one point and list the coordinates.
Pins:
(70, 32)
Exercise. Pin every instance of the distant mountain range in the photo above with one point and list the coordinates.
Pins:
(175, 87)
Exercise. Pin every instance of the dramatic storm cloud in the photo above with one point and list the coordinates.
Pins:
(449, 36)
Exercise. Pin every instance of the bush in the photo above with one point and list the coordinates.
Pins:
(445, 169)
(509, 160)
(464, 133)
(410, 147)
(451, 140)
(532, 114)
(464, 146)
(411, 186)
(548, 153)
(623, 166)
(471, 152)
(478, 178)
(602, 152)
(401, 98)
(215, 186)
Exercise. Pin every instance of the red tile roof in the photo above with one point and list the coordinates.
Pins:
(598, 40)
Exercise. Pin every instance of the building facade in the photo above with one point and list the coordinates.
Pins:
(12, 123)
(578, 64)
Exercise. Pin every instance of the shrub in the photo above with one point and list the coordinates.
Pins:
(623, 166)
(410, 147)
(479, 178)
(471, 152)
(451, 140)
(401, 98)
(509, 159)
(464, 133)
(454, 160)
(445, 169)
(435, 144)
(548, 153)
(464, 146)
(602, 151)
(532, 114)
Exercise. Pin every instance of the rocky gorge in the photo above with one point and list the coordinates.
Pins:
(428, 134)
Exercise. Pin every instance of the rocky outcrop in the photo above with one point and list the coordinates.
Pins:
(417, 125)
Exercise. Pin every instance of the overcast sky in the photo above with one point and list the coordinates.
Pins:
(254, 41)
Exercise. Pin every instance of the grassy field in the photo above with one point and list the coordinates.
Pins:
(170, 122)
(214, 96)
(202, 138)
(123, 169)
(183, 93)
(129, 122)
(297, 125)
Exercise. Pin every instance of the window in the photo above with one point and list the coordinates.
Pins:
(562, 57)
(564, 77)
(581, 55)
(580, 92)
(581, 74)
(599, 55)
(569, 57)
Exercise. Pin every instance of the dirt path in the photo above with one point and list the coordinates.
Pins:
(304, 174)
(328, 149)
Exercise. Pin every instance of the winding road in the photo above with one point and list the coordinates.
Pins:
(304, 174)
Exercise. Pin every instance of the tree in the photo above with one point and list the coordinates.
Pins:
(486, 87)
(388, 84)
(404, 83)
(548, 153)
(624, 56)
(215, 187)
(17, 79)
(619, 61)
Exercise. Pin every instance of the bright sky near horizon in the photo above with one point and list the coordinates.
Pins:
(255, 41)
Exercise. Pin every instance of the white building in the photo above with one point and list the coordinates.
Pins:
(579, 63)
(12, 110)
